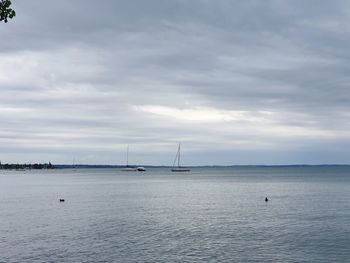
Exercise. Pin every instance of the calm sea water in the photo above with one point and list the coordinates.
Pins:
(208, 215)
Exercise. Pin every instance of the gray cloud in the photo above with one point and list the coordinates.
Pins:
(245, 82)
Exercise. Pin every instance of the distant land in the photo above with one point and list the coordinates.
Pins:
(17, 166)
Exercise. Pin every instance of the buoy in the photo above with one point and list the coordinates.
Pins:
(266, 199)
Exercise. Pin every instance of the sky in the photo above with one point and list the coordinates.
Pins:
(236, 82)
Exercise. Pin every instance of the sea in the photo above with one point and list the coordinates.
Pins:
(211, 214)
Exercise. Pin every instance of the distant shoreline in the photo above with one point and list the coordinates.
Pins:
(87, 166)
(26, 166)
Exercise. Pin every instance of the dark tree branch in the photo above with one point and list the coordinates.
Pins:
(6, 11)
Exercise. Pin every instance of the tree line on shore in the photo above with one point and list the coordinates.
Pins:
(17, 166)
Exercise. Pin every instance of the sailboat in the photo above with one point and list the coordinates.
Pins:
(177, 158)
(131, 168)
(74, 165)
(128, 168)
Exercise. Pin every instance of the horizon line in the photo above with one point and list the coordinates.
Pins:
(205, 165)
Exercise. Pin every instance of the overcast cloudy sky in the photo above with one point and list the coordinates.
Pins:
(237, 82)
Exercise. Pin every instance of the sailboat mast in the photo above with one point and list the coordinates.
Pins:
(178, 160)
(127, 155)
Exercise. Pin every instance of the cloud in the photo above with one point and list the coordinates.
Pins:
(237, 82)
(197, 114)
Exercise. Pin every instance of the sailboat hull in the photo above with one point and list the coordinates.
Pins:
(129, 169)
(180, 170)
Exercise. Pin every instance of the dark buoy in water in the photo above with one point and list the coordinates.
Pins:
(61, 200)
(266, 199)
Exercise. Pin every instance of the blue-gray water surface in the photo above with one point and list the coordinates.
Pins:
(207, 215)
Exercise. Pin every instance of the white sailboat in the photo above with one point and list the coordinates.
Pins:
(131, 168)
(128, 168)
(178, 168)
